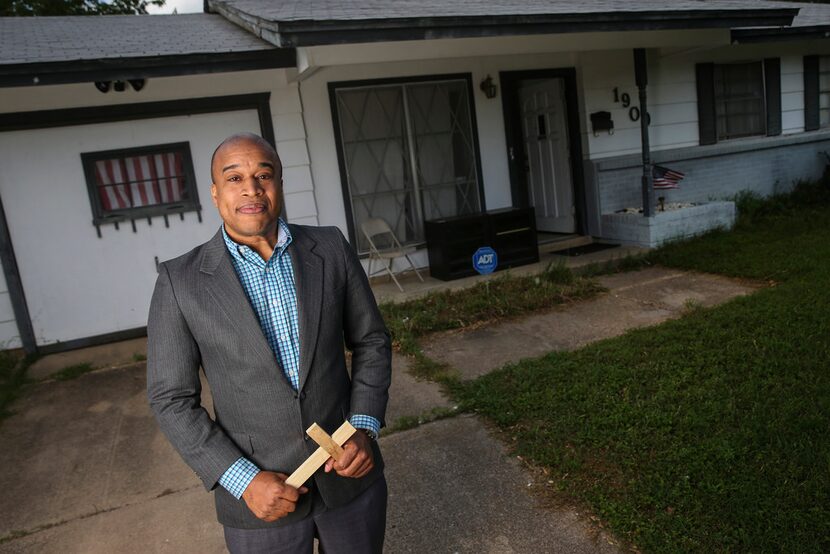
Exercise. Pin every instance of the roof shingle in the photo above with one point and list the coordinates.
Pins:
(76, 38)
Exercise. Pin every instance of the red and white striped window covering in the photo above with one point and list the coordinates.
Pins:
(139, 181)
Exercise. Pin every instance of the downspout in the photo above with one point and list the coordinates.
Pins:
(641, 77)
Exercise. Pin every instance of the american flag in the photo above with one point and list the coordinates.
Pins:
(665, 178)
(137, 181)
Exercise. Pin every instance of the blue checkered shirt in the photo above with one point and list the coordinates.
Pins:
(269, 286)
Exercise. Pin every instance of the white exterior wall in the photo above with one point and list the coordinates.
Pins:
(78, 285)
(672, 91)
(285, 105)
(488, 112)
(764, 165)
(603, 62)
(480, 57)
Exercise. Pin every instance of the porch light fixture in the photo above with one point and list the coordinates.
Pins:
(489, 87)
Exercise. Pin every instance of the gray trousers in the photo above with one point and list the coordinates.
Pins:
(356, 528)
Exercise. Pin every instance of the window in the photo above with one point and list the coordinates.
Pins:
(739, 100)
(824, 91)
(140, 182)
(408, 154)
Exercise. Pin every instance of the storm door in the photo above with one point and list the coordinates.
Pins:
(547, 151)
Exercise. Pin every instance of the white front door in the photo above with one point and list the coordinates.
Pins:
(545, 132)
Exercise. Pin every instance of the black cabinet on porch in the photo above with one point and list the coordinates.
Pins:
(452, 241)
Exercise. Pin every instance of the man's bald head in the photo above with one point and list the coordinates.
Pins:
(245, 138)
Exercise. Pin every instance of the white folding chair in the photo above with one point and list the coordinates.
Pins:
(375, 228)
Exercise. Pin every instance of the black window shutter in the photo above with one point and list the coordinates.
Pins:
(811, 93)
(772, 93)
(706, 117)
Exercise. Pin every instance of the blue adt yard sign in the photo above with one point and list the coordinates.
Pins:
(485, 260)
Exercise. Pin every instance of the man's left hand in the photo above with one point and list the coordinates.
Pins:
(357, 459)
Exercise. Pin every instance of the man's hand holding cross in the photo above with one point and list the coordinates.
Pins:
(271, 495)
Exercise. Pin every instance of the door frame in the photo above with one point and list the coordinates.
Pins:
(510, 83)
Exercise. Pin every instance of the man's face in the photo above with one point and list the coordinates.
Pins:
(247, 186)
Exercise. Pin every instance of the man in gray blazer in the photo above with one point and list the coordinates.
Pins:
(265, 308)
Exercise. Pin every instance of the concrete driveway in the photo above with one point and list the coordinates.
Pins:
(86, 469)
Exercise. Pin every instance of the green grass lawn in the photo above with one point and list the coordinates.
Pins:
(710, 433)
(12, 380)
(503, 297)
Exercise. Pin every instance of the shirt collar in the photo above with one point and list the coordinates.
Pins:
(283, 240)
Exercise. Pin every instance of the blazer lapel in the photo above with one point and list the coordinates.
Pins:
(308, 280)
(224, 286)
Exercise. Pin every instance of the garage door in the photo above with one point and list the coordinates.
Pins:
(76, 283)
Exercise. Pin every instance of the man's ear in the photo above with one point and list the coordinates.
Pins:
(213, 194)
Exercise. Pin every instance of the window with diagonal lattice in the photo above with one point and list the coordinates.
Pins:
(409, 154)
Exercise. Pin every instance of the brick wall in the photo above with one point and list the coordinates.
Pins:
(765, 165)
(670, 225)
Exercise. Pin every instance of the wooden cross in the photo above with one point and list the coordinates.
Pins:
(330, 447)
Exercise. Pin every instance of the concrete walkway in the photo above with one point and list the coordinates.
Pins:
(88, 471)
(635, 299)
(386, 291)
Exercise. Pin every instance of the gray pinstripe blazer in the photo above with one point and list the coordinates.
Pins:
(200, 316)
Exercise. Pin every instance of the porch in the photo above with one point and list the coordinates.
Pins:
(551, 251)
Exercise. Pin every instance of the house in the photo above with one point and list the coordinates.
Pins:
(409, 111)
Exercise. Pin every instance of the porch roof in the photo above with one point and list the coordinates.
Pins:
(291, 23)
(66, 49)
(812, 21)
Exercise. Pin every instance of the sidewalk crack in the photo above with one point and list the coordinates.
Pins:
(21, 533)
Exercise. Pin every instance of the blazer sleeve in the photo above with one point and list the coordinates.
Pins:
(174, 389)
(366, 336)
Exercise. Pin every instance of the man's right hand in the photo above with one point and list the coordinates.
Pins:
(269, 498)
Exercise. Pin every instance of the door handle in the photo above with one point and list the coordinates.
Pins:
(512, 154)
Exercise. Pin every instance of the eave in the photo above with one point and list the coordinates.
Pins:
(780, 34)
(316, 33)
(115, 69)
